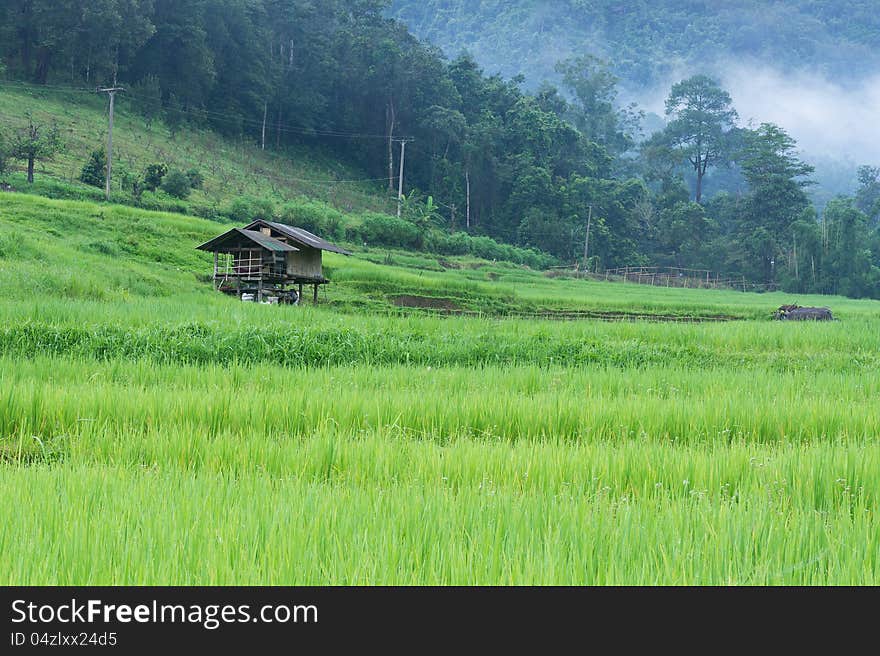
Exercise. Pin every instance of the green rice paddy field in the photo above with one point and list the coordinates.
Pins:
(154, 432)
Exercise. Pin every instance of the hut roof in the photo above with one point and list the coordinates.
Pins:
(300, 236)
(238, 235)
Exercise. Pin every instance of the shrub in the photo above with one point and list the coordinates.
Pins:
(385, 230)
(315, 217)
(458, 243)
(152, 201)
(247, 208)
(94, 172)
(205, 210)
(461, 243)
(176, 184)
(153, 176)
(131, 182)
(4, 155)
(196, 180)
(486, 248)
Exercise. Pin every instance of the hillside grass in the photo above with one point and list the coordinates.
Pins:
(231, 167)
(55, 250)
(153, 431)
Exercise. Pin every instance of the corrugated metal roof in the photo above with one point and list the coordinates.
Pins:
(257, 237)
(267, 241)
(301, 236)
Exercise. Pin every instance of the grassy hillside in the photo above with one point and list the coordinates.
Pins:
(231, 168)
(52, 250)
(364, 443)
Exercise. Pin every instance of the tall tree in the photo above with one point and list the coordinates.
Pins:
(777, 198)
(851, 269)
(702, 115)
(868, 194)
(595, 112)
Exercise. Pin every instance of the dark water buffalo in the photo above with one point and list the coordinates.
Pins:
(797, 313)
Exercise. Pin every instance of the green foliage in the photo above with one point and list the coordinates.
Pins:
(596, 113)
(35, 143)
(316, 217)
(196, 179)
(647, 43)
(849, 266)
(146, 96)
(777, 199)
(423, 214)
(461, 243)
(94, 172)
(4, 155)
(384, 230)
(868, 195)
(132, 183)
(701, 118)
(177, 184)
(153, 175)
(247, 209)
(684, 229)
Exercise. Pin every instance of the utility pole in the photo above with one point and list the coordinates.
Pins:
(110, 91)
(265, 114)
(467, 178)
(587, 238)
(403, 143)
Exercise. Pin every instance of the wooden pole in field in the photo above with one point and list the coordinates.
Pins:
(399, 182)
(587, 238)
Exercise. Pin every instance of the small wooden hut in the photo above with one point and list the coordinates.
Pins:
(268, 260)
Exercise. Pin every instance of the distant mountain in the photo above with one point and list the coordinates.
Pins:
(649, 41)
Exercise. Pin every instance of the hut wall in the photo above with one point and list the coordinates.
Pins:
(305, 263)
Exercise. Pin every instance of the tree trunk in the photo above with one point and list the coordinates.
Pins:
(699, 186)
(42, 72)
(31, 169)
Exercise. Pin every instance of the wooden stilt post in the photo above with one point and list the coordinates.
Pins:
(316, 294)
(300, 293)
